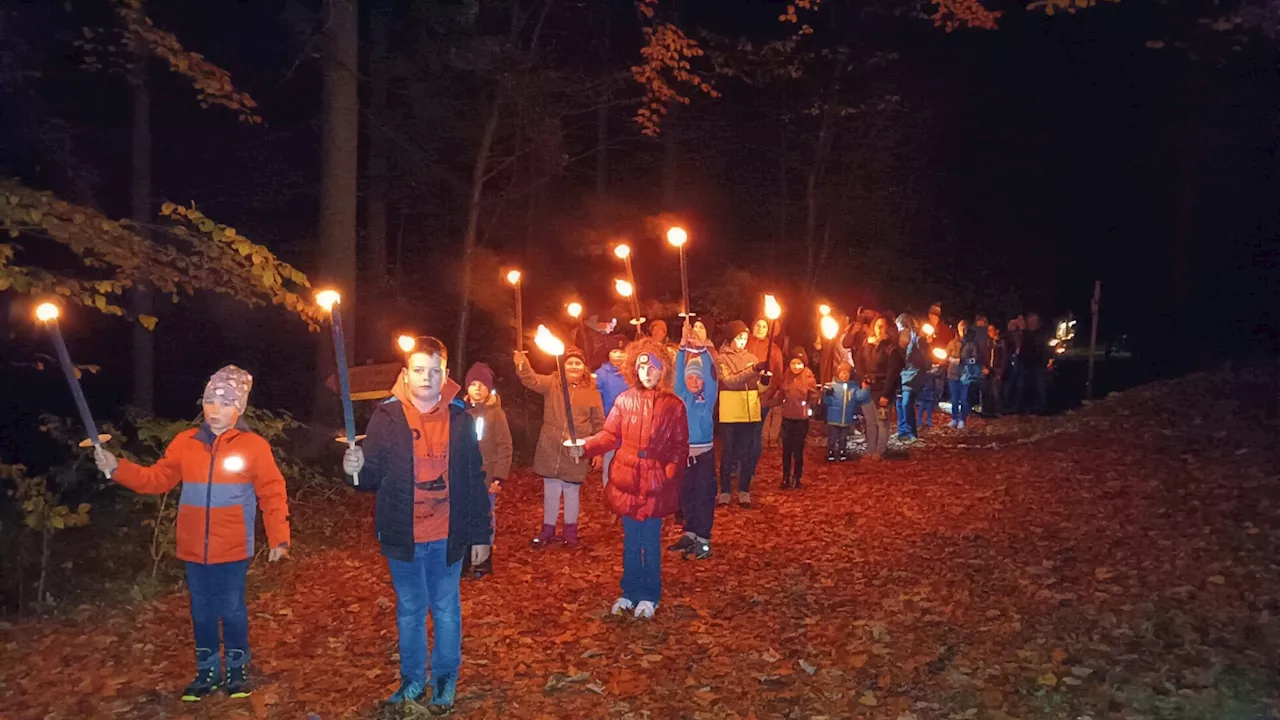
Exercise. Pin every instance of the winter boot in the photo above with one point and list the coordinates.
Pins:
(484, 568)
(570, 537)
(238, 685)
(443, 690)
(208, 679)
(744, 500)
(545, 537)
(724, 499)
(410, 691)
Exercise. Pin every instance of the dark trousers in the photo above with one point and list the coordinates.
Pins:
(741, 452)
(700, 494)
(217, 595)
(838, 439)
(793, 435)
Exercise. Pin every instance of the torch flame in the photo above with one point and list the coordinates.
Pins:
(623, 287)
(513, 277)
(327, 299)
(772, 310)
(824, 310)
(622, 251)
(829, 327)
(575, 310)
(677, 236)
(928, 329)
(940, 353)
(547, 342)
(407, 343)
(46, 312)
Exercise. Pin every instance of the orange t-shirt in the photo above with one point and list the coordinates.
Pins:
(431, 466)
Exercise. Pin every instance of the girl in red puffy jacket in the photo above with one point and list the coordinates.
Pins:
(649, 429)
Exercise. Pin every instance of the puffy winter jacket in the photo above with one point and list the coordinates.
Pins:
(494, 433)
(650, 431)
(739, 385)
(551, 459)
(795, 395)
(223, 477)
(842, 400)
(611, 383)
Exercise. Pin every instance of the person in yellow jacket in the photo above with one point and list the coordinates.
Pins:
(226, 471)
(740, 417)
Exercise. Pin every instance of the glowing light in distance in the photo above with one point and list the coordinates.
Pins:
(406, 342)
(327, 299)
(513, 277)
(623, 287)
(575, 309)
(622, 251)
(677, 236)
(46, 312)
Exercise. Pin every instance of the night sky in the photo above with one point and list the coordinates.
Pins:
(1010, 169)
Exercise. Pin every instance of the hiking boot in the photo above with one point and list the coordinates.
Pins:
(443, 690)
(723, 499)
(684, 543)
(570, 537)
(238, 685)
(744, 500)
(697, 551)
(207, 681)
(621, 606)
(545, 537)
(410, 691)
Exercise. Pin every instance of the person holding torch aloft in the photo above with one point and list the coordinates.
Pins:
(562, 474)
(226, 471)
(741, 378)
(649, 430)
(697, 385)
(423, 460)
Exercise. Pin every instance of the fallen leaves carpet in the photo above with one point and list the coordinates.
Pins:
(1118, 562)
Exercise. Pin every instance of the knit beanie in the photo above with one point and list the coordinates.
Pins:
(572, 351)
(229, 386)
(615, 342)
(693, 366)
(481, 373)
(736, 328)
(798, 353)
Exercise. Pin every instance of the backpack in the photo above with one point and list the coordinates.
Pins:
(970, 367)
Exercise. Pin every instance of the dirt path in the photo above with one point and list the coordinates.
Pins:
(1113, 564)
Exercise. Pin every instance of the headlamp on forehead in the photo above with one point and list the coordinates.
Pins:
(644, 358)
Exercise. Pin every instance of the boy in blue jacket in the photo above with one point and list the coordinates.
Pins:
(842, 403)
(697, 387)
(611, 383)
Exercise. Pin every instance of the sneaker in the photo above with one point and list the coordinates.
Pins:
(684, 543)
(570, 537)
(238, 685)
(953, 424)
(484, 568)
(410, 691)
(744, 500)
(723, 499)
(698, 551)
(545, 537)
(207, 681)
(960, 425)
(646, 609)
(621, 606)
(443, 690)
(831, 457)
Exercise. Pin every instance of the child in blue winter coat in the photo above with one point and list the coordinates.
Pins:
(697, 386)
(843, 397)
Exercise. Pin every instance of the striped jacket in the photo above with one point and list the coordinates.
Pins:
(223, 480)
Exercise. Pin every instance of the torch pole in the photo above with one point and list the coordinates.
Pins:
(73, 382)
(1093, 338)
(568, 403)
(519, 317)
(344, 382)
(684, 282)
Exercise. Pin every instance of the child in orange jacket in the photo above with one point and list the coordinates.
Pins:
(225, 471)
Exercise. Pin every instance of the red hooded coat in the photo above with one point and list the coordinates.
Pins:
(650, 430)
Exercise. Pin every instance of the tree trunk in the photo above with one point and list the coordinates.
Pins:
(142, 302)
(44, 565)
(376, 197)
(602, 110)
(670, 159)
(478, 173)
(821, 150)
(339, 170)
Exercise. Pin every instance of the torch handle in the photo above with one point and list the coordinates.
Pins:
(355, 479)
(568, 402)
(73, 382)
(519, 320)
(684, 281)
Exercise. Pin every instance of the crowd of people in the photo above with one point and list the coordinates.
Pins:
(650, 416)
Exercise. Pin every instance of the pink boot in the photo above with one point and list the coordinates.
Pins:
(570, 536)
(545, 537)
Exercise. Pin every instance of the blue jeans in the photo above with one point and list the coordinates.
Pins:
(642, 560)
(907, 413)
(959, 401)
(217, 594)
(427, 583)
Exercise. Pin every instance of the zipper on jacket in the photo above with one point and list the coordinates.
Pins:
(208, 496)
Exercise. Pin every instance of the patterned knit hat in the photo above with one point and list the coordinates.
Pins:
(574, 352)
(693, 366)
(229, 386)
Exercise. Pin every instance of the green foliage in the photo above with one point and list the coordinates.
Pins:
(42, 509)
(191, 253)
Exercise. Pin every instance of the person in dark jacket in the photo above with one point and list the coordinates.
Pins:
(993, 384)
(611, 382)
(423, 460)
(1035, 364)
(494, 433)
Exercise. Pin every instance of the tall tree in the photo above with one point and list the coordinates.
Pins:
(375, 230)
(143, 304)
(339, 174)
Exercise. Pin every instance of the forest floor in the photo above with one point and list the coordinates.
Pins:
(1116, 562)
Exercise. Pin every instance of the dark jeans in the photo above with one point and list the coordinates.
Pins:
(1038, 388)
(793, 435)
(642, 560)
(907, 413)
(741, 452)
(991, 387)
(217, 594)
(428, 583)
(838, 439)
(959, 401)
(700, 494)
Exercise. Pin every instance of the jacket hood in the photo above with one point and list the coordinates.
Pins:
(448, 393)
